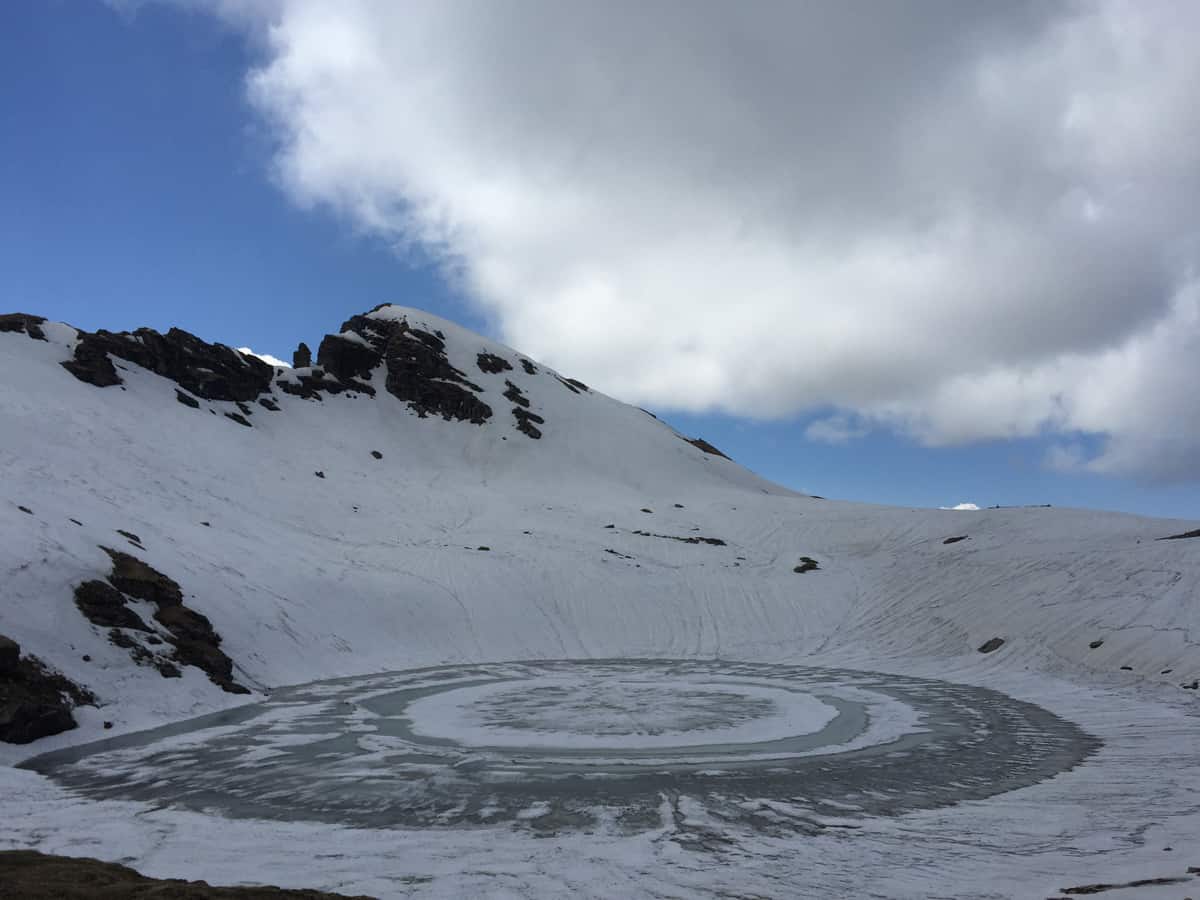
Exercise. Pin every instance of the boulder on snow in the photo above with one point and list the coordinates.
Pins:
(991, 644)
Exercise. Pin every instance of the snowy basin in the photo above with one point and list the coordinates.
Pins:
(554, 745)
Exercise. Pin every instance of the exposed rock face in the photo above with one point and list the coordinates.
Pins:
(23, 323)
(419, 374)
(302, 358)
(38, 876)
(491, 364)
(694, 539)
(104, 606)
(187, 399)
(191, 634)
(418, 371)
(34, 701)
(345, 357)
(525, 420)
(1182, 537)
(312, 384)
(704, 445)
(10, 655)
(211, 371)
(133, 577)
(514, 393)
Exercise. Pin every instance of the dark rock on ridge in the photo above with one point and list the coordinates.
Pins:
(34, 701)
(345, 357)
(702, 444)
(1180, 537)
(991, 645)
(38, 876)
(312, 383)
(418, 371)
(302, 358)
(23, 323)
(211, 371)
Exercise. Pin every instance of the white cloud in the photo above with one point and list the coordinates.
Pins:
(839, 428)
(962, 506)
(962, 221)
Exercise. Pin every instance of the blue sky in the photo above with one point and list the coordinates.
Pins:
(137, 189)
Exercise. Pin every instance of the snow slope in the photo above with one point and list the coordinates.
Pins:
(380, 565)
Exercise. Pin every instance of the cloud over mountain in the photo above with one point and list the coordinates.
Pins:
(960, 221)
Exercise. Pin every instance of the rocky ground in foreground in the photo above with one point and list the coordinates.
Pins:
(38, 876)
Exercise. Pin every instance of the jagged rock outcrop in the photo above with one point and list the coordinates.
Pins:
(211, 371)
(348, 355)
(302, 358)
(23, 323)
(416, 368)
(104, 606)
(34, 701)
(491, 364)
(418, 371)
(191, 635)
(702, 444)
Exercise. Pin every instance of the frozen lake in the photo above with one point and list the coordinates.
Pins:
(613, 745)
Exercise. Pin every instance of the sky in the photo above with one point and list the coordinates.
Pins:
(916, 253)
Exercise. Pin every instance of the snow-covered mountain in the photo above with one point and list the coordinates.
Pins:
(422, 495)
